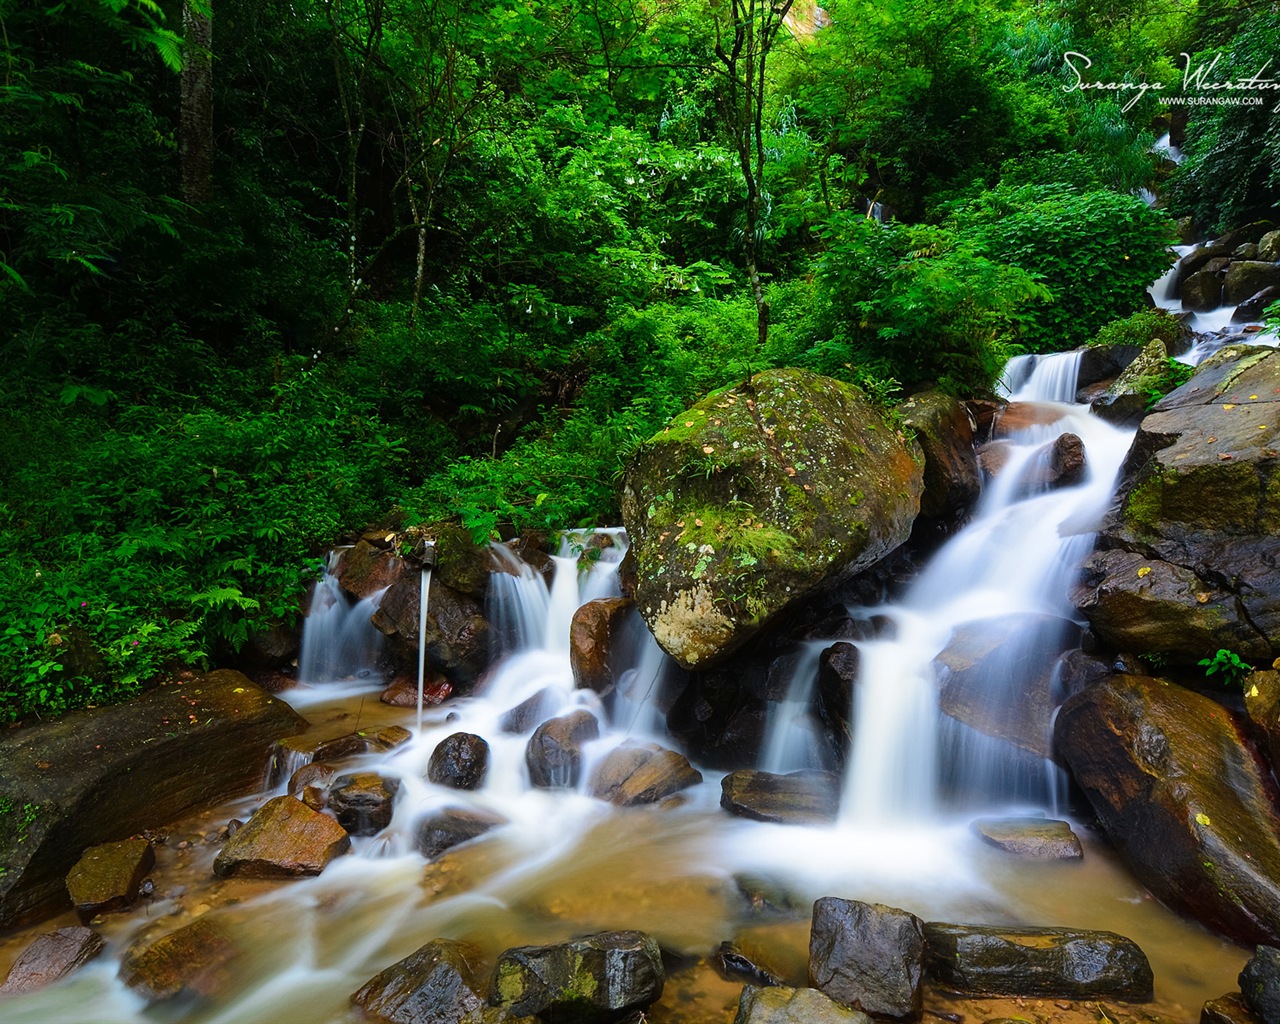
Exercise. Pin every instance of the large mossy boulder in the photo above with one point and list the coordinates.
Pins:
(1187, 555)
(758, 496)
(945, 430)
(99, 776)
(1183, 795)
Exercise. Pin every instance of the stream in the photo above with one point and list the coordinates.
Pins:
(567, 864)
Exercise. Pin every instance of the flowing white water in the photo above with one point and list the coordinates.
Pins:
(338, 641)
(424, 596)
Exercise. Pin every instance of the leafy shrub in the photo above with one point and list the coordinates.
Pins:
(1228, 665)
(1095, 251)
(1140, 328)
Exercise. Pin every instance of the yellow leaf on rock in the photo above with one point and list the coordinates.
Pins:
(1202, 597)
(1202, 818)
(1253, 690)
(1228, 407)
(1143, 571)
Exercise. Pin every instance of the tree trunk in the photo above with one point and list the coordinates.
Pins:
(195, 149)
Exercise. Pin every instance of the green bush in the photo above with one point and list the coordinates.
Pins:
(1140, 328)
(1095, 251)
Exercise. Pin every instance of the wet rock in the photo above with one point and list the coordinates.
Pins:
(1260, 983)
(733, 963)
(460, 761)
(1269, 246)
(1104, 363)
(945, 430)
(1253, 308)
(984, 413)
(1076, 671)
(195, 742)
(1066, 963)
(1065, 462)
(554, 753)
(1184, 798)
(1262, 705)
(198, 960)
(641, 773)
(451, 827)
(51, 957)
(993, 457)
(777, 1005)
(1018, 416)
(457, 631)
(388, 737)
(271, 649)
(838, 667)
(461, 563)
(1032, 838)
(986, 654)
(1197, 259)
(1247, 277)
(402, 692)
(779, 486)
(438, 983)
(1229, 1009)
(107, 877)
(598, 979)
(592, 638)
(868, 956)
(1202, 291)
(363, 802)
(284, 838)
(798, 798)
(1196, 514)
(1126, 399)
(526, 715)
(363, 570)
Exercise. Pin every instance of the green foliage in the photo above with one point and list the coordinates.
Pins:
(1228, 666)
(1140, 328)
(1172, 375)
(1096, 252)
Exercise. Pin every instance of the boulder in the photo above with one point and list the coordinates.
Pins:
(316, 775)
(868, 956)
(982, 656)
(1262, 705)
(363, 802)
(1269, 246)
(198, 960)
(755, 498)
(1104, 363)
(778, 1005)
(285, 838)
(641, 773)
(92, 776)
(50, 957)
(1248, 277)
(1202, 291)
(1198, 258)
(107, 877)
(1253, 308)
(402, 691)
(1229, 1009)
(592, 637)
(1184, 798)
(798, 798)
(1055, 963)
(438, 983)
(554, 753)
(365, 569)
(1254, 231)
(1031, 838)
(288, 755)
(1260, 983)
(460, 761)
(1019, 416)
(457, 631)
(598, 979)
(993, 457)
(461, 563)
(1127, 398)
(945, 430)
(436, 833)
(1200, 492)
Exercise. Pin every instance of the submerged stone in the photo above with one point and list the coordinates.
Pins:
(598, 979)
(641, 773)
(51, 957)
(778, 1005)
(451, 827)
(1032, 838)
(1066, 963)
(797, 798)
(756, 497)
(554, 753)
(198, 960)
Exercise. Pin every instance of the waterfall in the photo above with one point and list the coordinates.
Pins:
(1016, 556)
(338, 639)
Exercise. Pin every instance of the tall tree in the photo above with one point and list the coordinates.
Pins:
(196, 130)
(746, 31)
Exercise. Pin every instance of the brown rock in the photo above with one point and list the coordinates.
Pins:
(107, 877)
(363, 802)
(51, 957)
(1018, 416)
(403, 691)
(284, 838)
(554, 753)
(1032, 838)
(1184, 798)
(457, 631)
(641, 773)
(195, 742)
(1262, 705)
(592, 638)
(436, 984)
(1228, 1009)
(197, 960)
(798, 798)
(365, 569)
(945, 430)
(460, 761)
(451, 827)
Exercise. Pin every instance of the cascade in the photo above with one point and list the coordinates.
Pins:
(338, 640)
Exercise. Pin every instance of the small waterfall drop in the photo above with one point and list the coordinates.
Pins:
(339, 641)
